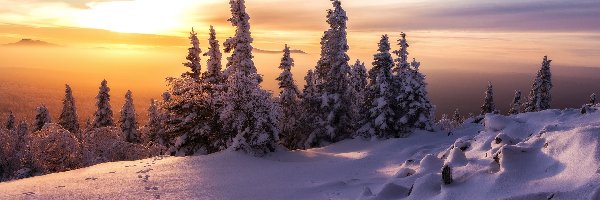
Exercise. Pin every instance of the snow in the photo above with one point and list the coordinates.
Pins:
(553, 153)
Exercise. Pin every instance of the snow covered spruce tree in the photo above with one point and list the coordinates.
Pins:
(456, 118)
(193, 57)
(413, 108)
(488, 102)
(128, 121)
(540, 96)
(332, 82)
(515, 106)
(41, 118)
(310, 106)
(358, 86)
(103, 116)
(154, 126)
(10, 121)
(186, 127)
(593, 99)
(249, 114)
(289, 102)
(213, 74)
(379, 120)
(68, 116)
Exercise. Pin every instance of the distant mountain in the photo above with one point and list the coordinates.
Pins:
(298, 51)
(32, 42)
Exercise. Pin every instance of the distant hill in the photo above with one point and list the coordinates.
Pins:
(32, 42)
(298, 51)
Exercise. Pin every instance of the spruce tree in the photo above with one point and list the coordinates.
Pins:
(515, 106)
(249, 115)
(128, 121)
(288, 101)
(456, 118)
(413, 109)
(41, 118)
(540, 96)
(332, 74)
(193, 57)
(358, 79)
(213, 74)
(309, 110)
(379, 120)
(10, 121)
(154, 122)
(488, 102)
(68, 116)
(593, 99)
(103, 116)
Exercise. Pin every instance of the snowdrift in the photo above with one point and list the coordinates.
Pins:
(554, 154)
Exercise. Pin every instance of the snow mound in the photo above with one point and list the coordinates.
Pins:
(554, 154)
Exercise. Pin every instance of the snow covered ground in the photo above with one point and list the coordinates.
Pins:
(554, 154)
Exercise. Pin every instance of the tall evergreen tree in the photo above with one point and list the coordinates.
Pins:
(593, 99)
(413, 108)
(288, 101)
(249, 113)
(193, 57)
(379, 121)
(10, 121)
(332, 73)
(540, 96)
(41, 118)
(103, 116)
(213, 74)
(515, 106)
(128, 121)
(68, 116)
(488, 102)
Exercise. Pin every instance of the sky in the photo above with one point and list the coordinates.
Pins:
(135, 44)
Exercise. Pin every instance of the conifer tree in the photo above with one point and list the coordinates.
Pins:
(456, 118)
(413, 108)
(288, 101)
(41, 118)
(540, 96)
(420, 111)
(593, 99)
(128, 121)
(249, 113)
(309, 110)
(193, 57)
(515, 106)
(68, 116)
(103, 116)
(154, 122)
(10, 121)
(488, 103)
(379, 120)
(358, 79)
(332, 74)
(213, 74)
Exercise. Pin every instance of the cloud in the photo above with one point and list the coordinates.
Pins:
(82, 4)
(32, 42)
(509, 15)
(298, 51)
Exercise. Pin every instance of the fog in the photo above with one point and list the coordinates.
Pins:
(32, 76)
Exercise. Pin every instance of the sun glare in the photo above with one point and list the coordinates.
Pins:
(139, 16)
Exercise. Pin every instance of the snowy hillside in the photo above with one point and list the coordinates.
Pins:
(551, 154)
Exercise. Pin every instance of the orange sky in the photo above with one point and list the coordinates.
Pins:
(135, 44)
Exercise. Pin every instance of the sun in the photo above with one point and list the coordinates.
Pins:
(138, 16)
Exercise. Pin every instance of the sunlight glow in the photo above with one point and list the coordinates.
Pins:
(139, 16)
